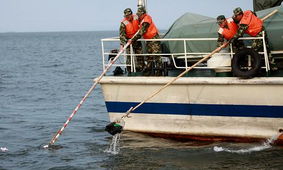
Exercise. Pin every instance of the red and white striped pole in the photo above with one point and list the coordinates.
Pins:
(56, 136)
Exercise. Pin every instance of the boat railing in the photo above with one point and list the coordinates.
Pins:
(108, 44)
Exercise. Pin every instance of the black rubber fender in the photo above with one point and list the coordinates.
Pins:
(240, 63)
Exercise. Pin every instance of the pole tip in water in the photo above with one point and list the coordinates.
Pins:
(52, 147)
(113, 128)
(3, 149)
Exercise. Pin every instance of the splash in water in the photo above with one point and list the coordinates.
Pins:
(265, 145)
(114, 145)
(3, 149)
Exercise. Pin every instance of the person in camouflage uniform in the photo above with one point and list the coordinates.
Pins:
(148, 30)
(227, 29)
(244, 27)
(128, 27)
(249, 23)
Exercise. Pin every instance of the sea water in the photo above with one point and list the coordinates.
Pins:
(43, 76)
(265, 145)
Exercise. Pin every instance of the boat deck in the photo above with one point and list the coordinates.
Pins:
(219, 65)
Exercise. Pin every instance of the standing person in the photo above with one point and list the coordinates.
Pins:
(227, 29)
(148, 30)
(128, 28)
(250, 24)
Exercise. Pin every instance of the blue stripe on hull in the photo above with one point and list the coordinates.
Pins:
(199, 109)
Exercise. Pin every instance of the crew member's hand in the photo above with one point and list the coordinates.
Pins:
(226, 44)
(231, 40)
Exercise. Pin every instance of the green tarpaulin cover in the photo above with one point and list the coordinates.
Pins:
(197, 26)
(265, 4)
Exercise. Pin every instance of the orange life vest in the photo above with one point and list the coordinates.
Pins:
(131, 27)
(254, 23)
(229, 32)
(152, 30)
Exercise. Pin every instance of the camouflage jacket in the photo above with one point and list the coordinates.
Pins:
(220, 40)
(143, 30)
(122, 34)
(241, 30)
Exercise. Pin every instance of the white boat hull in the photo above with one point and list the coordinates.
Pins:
(205, 107)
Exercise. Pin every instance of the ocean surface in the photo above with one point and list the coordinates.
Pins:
(43, 76)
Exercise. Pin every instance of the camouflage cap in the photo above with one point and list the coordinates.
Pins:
(220, 18)
(141, 10)
(237, 11)
(128, 11)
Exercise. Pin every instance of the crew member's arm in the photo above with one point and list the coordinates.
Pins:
(241, 30)
(143, 30)
(122, 35)
(220, 40)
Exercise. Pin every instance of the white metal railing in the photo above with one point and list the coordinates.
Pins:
(187, 56)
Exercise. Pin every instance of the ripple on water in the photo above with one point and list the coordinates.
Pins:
(52, 65)
(65, 167)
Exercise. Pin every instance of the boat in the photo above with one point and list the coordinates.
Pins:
(207, 103)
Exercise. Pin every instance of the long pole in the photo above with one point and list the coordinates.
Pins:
(59, 132)
(173, 80)
(270, 14)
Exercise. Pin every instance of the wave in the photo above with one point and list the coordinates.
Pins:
(3, 149)
(265, 145)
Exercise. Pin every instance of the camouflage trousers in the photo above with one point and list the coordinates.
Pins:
(153, 64)
(257, 44)
(139, 60)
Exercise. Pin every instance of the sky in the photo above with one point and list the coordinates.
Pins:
(101, 15)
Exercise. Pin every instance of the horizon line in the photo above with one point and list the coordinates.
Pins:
(7, 32)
